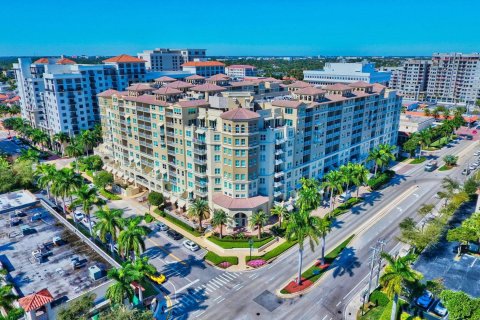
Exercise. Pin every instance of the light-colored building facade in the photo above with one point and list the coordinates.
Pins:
(343, 72)
(240, 71)
(217, 143)
(170, 59)
(410, 80)
(454, 78)
(59, 95)
(204, 68)
(411, 124)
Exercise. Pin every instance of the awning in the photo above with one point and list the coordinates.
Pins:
(212, 118)
(181, 202)
(200, 131)
(201, 117)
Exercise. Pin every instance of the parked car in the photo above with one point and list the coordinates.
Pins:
(344, 197)
(76, 263)
(440, 309)
(472, 167)
(430, 165)
(79, 216)
(37, 216)
(477, 153)
(425, 300)
(174, 234)
(162, 226)
(466, 171)
(158, 278)
(190, 245)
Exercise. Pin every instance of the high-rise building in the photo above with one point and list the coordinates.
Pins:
(411, 79)
(454, 78)
(59, 95)
(218, 143)
(240, 71)
(170, 59)
(343, 72)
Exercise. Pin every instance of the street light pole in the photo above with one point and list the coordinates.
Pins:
(250, 244)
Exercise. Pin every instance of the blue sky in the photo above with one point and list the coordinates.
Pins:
(260, 27)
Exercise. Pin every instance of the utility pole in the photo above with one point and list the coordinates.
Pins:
(381, 245)
(373, 258)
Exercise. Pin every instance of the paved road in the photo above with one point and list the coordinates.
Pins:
(377, 218)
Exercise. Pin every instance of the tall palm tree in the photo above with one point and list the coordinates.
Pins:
(359, 176)
(75, 149)
(130, 240)
(110, 223)
(333, 182)
(219, 219)
(381, 156)
(397, 272)
(259, 219)
(347, 171)
(88, 140)
(280, 212)
(309, 197)
(324, 227)
(427, 112)
(7, 297)
(45, 175)
(200, 210)
(302, 226)
(376, 157)
(450, 184)
(86, 197)
(425, 139)
(122, 278)
(65, 184)
(61, 138)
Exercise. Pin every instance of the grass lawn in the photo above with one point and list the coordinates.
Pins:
(418, 160)
(274, 252)
(373, 314)
(444, 168)
(216, 259)
(178, 222)
(239, 243)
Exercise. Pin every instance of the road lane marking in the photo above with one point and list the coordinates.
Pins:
(473, 263)
(217, 298)
(229, 276)
(225, 278)
(325, 317)
(220, 300)
(339, 302)
(217, 282)
(239, 287)
(198, 315)
(169, 253)
(187, 286)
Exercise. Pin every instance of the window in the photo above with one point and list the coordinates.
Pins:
(288, 110)
(217, 170)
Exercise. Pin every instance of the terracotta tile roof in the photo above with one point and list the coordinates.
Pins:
(203, 64)
(3, 97)
(65, 61)
(234, 203)
(218, 77)
(242, 66)
(107, 93)
(194, 77)
(312, 91)
(124, 58)
(377, 87)
(287, 103)
(208, 87)
(337, 87)
(299, 84)
(360, 84)
(42, 61)
(243, 83)
(14, 99)
(140, 87)
(35, 300)
(165, 79)
(179, 85)
(239, 114)
(147, 99)
(167, 91)
(192, 103)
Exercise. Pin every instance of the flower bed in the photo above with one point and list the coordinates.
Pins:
(294, 287)
(256, 263)
(224, 264)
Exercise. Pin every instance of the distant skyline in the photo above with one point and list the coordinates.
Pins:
(277, 28)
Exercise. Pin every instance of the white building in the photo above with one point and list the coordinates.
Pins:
(161, 59)
(410, 80)
(454, 78)
(240, 71)
(412, 124)
(204, 68)
(346, 73)
(58, 95)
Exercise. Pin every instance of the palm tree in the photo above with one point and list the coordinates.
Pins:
(396, 273)
(324, 227)
(309, 197)
(109, 224)
(29, 154)
(425, 139)
(130, 240)
(45, 175)
(199, 210)
(450, 184)
(88, 140)
(347, 172)
(61, 138)
(387, 152)
(279, 211)
(359, 176)
(75, 149)
(7, 297)
(300, 226)
(219, 219)
(259, 219)
(435, 113)
(65, 184)
(86, 197)
(122, 278)
(334, 184)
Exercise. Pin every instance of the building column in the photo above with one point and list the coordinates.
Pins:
(31, 315)
(50, 314)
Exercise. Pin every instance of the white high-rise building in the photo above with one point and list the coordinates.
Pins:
(161, 59)
(343, 72)
(454, 78)
(411, 79)
(58, 95)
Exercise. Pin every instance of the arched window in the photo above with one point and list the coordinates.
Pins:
(240, 219)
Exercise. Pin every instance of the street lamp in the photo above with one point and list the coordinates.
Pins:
(250, 244)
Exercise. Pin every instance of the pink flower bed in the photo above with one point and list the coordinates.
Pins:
(256, 263)
(224, 264)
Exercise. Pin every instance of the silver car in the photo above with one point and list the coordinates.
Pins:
(190, 245)
(440, 309)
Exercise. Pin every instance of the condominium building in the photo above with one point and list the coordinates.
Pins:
(204, 68)
(411, 79)
(59, 95)
(346, 73)
(170, 59)
(240, 71)
(454, 78)
(220, 144)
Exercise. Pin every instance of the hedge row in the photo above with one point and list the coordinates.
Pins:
(178, 222)
(239, 243)
(109, 195)
(379, 180)
(275, 252)
(216, 259)
(344, 207)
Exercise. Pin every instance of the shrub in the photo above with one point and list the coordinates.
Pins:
(379, 298)
(178, 222)
(229, 242)
(345, 206)
(93, 163)
(418, 160)
(224, 265)
(109, 195)
(275, 252)
(257, 263)
(155, 199)
(148, 218)
(379, 180)
(216, 259)
(103, 179)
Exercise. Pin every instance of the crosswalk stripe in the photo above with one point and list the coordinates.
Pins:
(219, 283)
(229, 275)
(222, 281)
(225, 278)
(212, 287)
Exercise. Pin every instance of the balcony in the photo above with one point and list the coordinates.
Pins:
(278, 162)
(200, 161)
(277, 194)
(172, 173)
(277, 184)
(141, 126)
(201, 193)
(200, 174)
(201, 183)
(199, 142)
(278, 152)
(170, 134)
(200, 151)
(280, 141)
(278, 174)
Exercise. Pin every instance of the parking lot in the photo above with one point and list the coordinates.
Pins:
(10, 146)
(38, 254)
